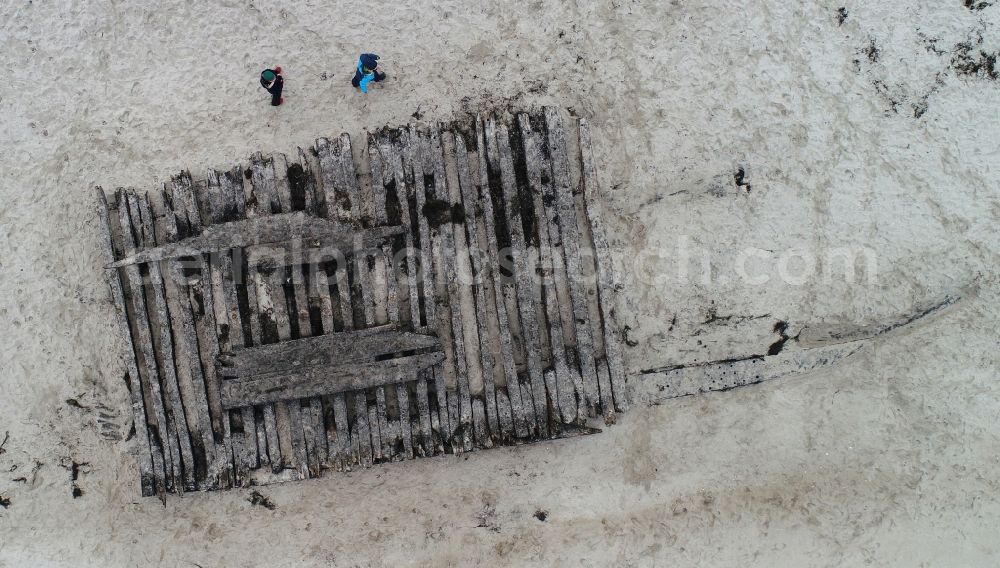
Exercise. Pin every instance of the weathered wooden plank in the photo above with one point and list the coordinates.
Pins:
(335, 348)
(498, 144)
(480, 278)
(192, 387)
(143, 338)
(361, 435)
(340, 187)
(394, 154)
(387, 167)
(406, 431)
(273, 442)
(259, 421)
(292, 231)
(319, 435)
(414, 159)
(341, 201)
(505, 417)
(550, 246)
(394, 164)
(268, 279)
(319, 381)
(307, 184)
(363, 292)
(262, 198)
(522, 410)
(233, 197)
(424, 413)
(230, 327)
(282, 190)
(286, 317)
(567, 221)
(147, 480)
(446, 231)
(483, 439)
(345, 441)
(319, 285)
(309, 440)
(140, 212)
(604, 382)
(300, 287)
(423, 177)
(201, 295)
(182, 203)
(605, 275)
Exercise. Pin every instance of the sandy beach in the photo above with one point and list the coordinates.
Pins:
(805, 193)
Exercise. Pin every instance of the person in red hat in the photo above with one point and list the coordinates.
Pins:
(273, 82)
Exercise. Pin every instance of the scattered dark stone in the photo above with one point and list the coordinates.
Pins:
(841, 15)
(248, 173)
(258, 500)
(417, 115)
(6, 436)
(75, 403)
(4, 501)
(77, 492)
(75, 469)
(776, 347)
(541, 515)
(740, 177)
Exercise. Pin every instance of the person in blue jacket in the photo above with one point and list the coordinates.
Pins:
(367, 72)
